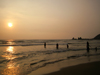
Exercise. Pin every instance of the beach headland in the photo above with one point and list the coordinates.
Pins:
(92, 68)
(97, 37)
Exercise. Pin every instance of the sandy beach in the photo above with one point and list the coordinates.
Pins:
(80, 66)
(92, 68)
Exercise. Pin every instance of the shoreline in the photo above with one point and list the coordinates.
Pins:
(57, 68)
(92, 68)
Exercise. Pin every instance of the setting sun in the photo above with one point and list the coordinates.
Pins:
(10, 24)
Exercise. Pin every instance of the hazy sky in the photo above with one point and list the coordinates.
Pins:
(49, 19)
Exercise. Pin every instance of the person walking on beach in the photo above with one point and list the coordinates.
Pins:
(67, 46)
(88, 47)
(45, 45)
(57, 45)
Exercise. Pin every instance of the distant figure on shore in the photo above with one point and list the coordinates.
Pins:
(67, 46)
(88, 47)
(45, 45)
(96, 49)
(57, 45)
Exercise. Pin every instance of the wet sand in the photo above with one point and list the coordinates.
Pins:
(92, 68)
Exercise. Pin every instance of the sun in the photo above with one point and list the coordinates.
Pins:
(10, 24)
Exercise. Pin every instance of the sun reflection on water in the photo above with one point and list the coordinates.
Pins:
(9, 53)
(12, 68)
(11, 64)
(10, 49)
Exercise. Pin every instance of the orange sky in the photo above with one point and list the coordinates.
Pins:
(49, 19)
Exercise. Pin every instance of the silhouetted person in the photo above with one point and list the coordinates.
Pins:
(57, 45)
(88, 47)
(67, 46)
(45, 45)
(96, 49)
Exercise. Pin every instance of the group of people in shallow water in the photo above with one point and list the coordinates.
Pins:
(88, 46)
(57, 46)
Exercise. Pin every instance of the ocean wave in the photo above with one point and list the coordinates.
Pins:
(59, 60)
(2, 61)
(37, 62)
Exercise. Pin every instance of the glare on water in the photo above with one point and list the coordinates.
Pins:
(11, 67)
(10, 49)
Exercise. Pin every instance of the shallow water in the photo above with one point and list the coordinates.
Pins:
(21, 57)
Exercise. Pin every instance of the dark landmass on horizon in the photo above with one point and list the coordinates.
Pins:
(95, 38)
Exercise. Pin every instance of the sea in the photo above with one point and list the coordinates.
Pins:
(21, 57)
